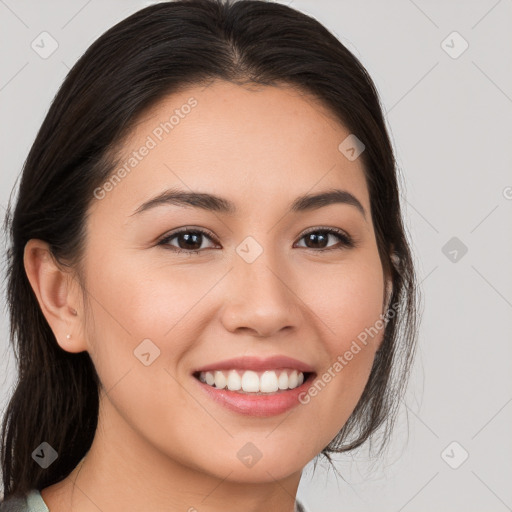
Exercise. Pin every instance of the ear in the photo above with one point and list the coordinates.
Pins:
(57, 293)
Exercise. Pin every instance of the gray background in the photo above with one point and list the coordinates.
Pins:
(450, 121)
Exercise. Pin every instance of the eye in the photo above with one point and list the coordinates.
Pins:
(189, 240)
(320, 236)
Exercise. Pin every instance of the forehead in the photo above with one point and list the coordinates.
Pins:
(263, 144)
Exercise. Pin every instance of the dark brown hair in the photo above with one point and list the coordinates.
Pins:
(155, 52)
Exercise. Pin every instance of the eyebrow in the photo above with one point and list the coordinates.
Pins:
(218, 204)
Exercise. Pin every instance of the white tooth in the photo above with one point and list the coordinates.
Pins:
(234, 381)
(220, 380)
(293, 380)
(283, 381)
(268, 382)
(250, 381)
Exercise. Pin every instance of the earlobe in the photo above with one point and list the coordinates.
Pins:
(55, 291)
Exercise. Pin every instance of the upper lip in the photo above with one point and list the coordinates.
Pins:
(257, 364)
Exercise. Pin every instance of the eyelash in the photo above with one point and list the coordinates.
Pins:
(346, 241)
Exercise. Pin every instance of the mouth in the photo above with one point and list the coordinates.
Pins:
(255, 386)
(246, 396)
(256, 383)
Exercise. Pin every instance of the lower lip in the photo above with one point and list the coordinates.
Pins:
(257, 405)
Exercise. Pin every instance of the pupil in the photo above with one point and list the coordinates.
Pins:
(189, 237)
(313, 236)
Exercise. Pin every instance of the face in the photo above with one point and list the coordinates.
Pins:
(173, 288)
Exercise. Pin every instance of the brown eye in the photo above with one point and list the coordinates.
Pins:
(319, 238)
(191, 240)
(188, 240)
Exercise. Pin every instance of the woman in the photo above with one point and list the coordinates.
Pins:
(209, 280)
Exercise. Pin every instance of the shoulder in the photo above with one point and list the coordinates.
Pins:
(30, 502)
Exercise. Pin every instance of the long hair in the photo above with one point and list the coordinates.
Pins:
(155, 52)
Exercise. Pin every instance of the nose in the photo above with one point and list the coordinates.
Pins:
(260, 298)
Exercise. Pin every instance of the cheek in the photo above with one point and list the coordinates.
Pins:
(133, 302)
(345, 301)
(142, 300)
(348, 308)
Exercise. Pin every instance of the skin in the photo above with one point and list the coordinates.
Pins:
(162, 444)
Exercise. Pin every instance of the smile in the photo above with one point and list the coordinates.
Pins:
(255, 386)
(248, 381)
